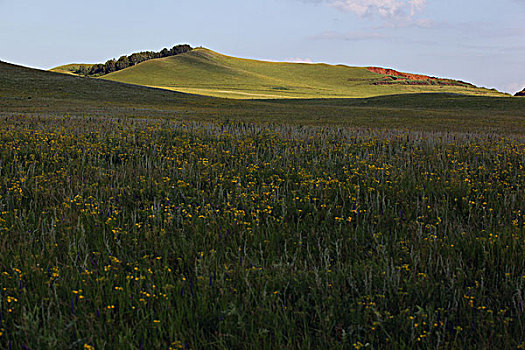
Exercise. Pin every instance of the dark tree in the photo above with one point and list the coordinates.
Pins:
(110, 66)
(135, 59)
(122, 63)
(82, 70)
(97, 69)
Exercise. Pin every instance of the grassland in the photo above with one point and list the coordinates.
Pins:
(24, 90)
(158, 234)
(140, 218)
(209, 73)
(70, 68)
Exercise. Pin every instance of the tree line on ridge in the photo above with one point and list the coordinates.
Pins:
(123, 62)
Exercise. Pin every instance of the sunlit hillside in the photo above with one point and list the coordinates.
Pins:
(206, 72)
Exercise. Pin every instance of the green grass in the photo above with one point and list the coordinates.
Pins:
(131, 234)
(70, 68)
(140, 218)
(24, 90)
(205, 72)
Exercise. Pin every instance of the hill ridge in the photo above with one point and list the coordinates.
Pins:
(125, 61)
(206, 72)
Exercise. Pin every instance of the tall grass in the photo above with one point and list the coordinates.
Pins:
(156, 234)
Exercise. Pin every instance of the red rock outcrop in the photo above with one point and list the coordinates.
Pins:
(393, 77)
(395, 73)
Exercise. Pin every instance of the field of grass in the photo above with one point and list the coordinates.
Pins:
(209, 73)
(29, 91)
(157, 234)
(140, 218)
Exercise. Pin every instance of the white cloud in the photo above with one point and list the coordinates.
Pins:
(384, 8)
(299, 60)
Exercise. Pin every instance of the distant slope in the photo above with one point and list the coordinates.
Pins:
(28, 90)
(71, 68)
(521, 93)
(206, 72)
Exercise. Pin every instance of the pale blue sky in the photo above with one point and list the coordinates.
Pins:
(479, 41)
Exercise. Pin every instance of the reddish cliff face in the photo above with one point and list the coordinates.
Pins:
(395, 73)
(521, 93)
(393, 77)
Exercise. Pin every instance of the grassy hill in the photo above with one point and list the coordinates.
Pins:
(25, 90)
(28, 90)
(206, 72)
(70, 68)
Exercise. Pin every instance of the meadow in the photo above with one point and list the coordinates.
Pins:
(150, 233)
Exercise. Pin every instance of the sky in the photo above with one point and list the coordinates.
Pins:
(478, 41)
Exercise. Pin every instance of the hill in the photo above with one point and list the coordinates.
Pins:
(72, 68)
(30, 91)
(206, 72)
(521, 93)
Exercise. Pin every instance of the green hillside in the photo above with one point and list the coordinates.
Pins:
(27, 90)
(32, 91)
(205, 72)
(71, 68)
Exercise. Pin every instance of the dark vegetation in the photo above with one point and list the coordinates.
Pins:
(124, 62)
